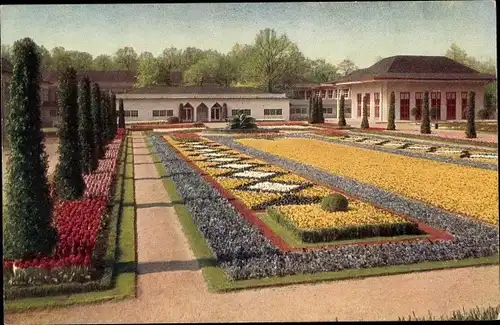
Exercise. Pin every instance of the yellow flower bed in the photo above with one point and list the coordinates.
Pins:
(485, 160)
(461, 189)
(214, 172)
(289, 178)
(231, 183)
(315, 191)
(313, 217)
(253, 199)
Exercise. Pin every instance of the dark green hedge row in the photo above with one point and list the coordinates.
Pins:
(108, 255)
(335, 234)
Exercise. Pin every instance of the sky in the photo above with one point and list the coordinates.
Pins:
(360, 31)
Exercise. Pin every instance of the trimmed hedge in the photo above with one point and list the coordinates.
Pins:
(333, 234)
(107, 255)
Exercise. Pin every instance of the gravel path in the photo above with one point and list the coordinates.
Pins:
(171, 287)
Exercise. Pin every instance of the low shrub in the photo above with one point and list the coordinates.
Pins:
(173, 120)
(334, 202)
(198, 125)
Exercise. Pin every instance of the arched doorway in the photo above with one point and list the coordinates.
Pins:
(216, 112)
(186, 114)
(202, 113)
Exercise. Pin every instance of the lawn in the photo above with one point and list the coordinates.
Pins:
(490, 127)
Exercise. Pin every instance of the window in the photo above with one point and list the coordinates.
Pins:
(376, 99)
(330, 93)
(323, 94)
(53, 113)
(328, 110)
(159, 113)
(359, 101)
(335, 93)
(131, 113)
(308, 94)
(404, 106)
(345, 92)
(451, 106)
(170, 112)
(304, 110)
(273, 112)
(436, 103)
(240, 111)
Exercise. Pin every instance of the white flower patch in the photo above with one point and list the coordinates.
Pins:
(224, 159)
(484, 156)
(207, 150)
(374, 141)
(213, 154)
(253, 174)
(273, 187)
(200, 146)
(419, 148)
(394, 144)
(354, 139)
(448, 151)
(236, 166)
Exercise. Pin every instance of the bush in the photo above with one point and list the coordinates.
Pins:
(334, 202)
(342, 121)
(425, 126)
(470, 131)
(416, 111)
(173, 120)
(68, 178)
(392, 113)
(485, 114)
(198, 124)
(242, 122)
(28, 229)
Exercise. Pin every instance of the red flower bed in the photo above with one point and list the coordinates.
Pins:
(185, 136)
(150, 126)
(276, 123)
(78, 222)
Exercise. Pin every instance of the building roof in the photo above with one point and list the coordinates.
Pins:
(96, 76)
(6, 66)
(416, 67)
(195, 90)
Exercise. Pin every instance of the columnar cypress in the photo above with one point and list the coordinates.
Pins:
(470, 132)
(104, 118)
(97, 120)
(311, 110)
(364, 121)
(68, 174)
(121, 115)
(28, 229)
(392, 113)
(321, 115)
(112, 116)
(425, 126)
(342, 121)
(87, 145)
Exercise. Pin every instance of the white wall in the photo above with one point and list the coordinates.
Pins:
(145, 107)
(385, 88)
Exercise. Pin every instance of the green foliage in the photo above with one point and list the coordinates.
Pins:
(334, 202)
(342, 121)
(470, 131)
(319, 71)
(68, 178)
(311, 110)
(316, 110)
(346, 67)
(28, 228)
(392, 113)
(173, 120)
(425, 126)
(364, 121)
(476, 314)
(224, 111)
(103, 62)
(484, 114)
(148, 72)
(121, 115)
(97, 120)
(87, 146)
(242, 122)
(125, 59)
(104, 117)
(416, 111)
(320, 111)
(112, 117)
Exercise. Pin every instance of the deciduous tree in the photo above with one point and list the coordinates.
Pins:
(126, 59)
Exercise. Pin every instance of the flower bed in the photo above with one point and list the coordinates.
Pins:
(280, 123)
(312, 224)
(245, 253)
(164, 125)
(432, 182)
(79, 224)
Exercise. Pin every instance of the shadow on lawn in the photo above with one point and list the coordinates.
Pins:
(167, 266)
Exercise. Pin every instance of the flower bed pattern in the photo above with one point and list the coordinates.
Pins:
(79, 224)
(471, 238)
